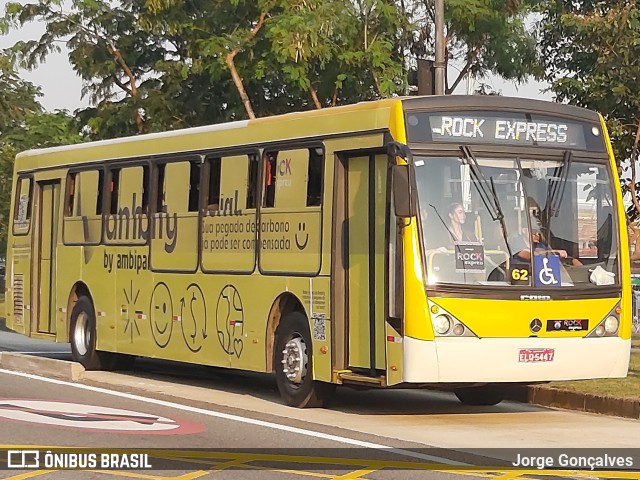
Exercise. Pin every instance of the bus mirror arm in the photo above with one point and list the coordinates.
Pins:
(397, 149)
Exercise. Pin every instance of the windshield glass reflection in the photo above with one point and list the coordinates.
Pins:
(540, 223)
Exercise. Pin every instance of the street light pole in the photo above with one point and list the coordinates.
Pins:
(439, 64)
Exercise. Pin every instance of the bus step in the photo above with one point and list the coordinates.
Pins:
(346, 376)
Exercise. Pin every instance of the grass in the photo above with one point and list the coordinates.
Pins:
(616, 387)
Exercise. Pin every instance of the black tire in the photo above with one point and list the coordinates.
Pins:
(82, 336)
(297, 388)
(485, 396)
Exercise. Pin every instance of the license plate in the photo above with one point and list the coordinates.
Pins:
(536, 355)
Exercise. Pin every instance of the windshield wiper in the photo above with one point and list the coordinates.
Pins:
(503, 225)
(486, 193)
(556, 191)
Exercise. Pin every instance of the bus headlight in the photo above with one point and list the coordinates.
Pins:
(611, 324)
(458, 329)
(442, 324)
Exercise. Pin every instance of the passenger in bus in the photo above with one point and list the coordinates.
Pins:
(457, 217)
(521, 246)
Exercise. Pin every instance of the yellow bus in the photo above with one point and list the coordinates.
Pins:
(462, 243)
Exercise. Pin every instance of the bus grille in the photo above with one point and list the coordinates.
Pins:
(18, 305)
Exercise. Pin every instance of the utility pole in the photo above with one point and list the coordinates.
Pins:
(439, 65)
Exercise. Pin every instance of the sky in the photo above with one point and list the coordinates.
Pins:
(61, 87)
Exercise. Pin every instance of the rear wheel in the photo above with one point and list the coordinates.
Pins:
(486, 395)
(293, 365)
(83, 337)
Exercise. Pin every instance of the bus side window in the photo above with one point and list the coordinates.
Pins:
(194, 185)
(84, 193)
(314, 177)
(270, 172)
(82, 208)
(100, 192)
(252, 182)
(130, 186)
(22, 211)
(287, 179)
(213, 197)
(145, 189)
(71, 195)
(114, 187)
(161, 200)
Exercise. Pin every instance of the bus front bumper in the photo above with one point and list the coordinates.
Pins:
(503, 359)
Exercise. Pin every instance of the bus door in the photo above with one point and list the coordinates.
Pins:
(366, 231)
(43, 284)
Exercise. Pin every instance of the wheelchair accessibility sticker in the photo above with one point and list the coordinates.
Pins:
(547, 271)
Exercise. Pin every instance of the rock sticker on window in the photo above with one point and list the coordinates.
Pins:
(469, 257)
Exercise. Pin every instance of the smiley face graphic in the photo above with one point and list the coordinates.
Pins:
(301, 230)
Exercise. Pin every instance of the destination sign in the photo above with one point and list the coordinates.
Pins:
(504, 128)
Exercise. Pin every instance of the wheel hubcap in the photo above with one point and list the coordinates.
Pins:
(81, 334)
(294, 360)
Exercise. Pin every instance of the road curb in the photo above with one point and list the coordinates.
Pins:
(584, 402)
(42, 366)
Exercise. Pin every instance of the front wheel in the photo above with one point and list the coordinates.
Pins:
(485, 396)
(83, 336)
(293, 364)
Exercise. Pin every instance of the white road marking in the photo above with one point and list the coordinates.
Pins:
(236, 418)
(63, 352)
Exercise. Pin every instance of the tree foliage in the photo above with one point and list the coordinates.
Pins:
(591, 50)
(482, 37)
(23, 126)
(150, 65)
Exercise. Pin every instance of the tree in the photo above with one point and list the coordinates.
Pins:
(18, 100)
(150, 65)
(108, 49)
(17, 97)
(591, 50)
(340, 51)
(482, 37)
(23, 126)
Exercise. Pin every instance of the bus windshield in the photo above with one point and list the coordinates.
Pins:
(517, 221)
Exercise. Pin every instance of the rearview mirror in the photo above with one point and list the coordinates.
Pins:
(404, 190)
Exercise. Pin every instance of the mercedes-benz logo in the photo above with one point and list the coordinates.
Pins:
(536, 325)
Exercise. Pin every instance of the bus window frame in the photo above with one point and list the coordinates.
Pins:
(279, 147)
(250, 152)
(76, 171)
(107, 196)
(16, 205)
(154, 192)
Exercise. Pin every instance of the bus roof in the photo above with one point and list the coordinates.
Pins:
(373, 115)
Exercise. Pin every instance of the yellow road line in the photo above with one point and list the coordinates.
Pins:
(35, 473)
(356, 474)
